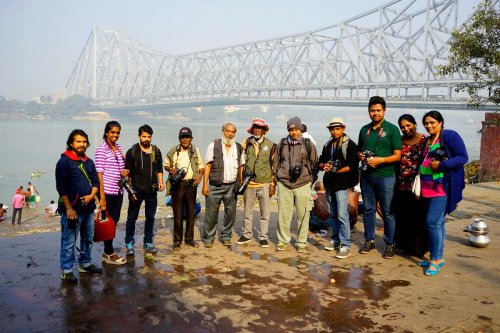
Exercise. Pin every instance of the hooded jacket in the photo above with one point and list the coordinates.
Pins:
(75, 177)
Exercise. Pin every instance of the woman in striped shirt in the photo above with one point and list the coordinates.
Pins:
(442, 183)
(110, 165)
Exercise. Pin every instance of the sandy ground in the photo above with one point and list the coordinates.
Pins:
(246, 288)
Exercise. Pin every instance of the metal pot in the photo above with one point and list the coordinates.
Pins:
(479, 241)
(478, 225)
(478, 230)
(475, 232)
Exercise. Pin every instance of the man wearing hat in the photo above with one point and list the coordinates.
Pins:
(293, 169)
(259, 152)
(339, 160)
(184, 164)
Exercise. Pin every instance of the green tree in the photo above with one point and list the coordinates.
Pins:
(475, 51)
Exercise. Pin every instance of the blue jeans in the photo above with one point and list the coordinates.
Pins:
(338, 211)
(315, 224)
(150, 204)
(68, 240)
(217, 194)
(434, 220)
(378, 189)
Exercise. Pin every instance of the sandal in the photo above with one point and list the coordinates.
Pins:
(432, 272)
(113, 259)
(426, 264)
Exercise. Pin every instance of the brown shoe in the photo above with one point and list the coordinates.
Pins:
(192, 244)
(113, 259)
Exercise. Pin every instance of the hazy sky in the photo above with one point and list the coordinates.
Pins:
(41, 39)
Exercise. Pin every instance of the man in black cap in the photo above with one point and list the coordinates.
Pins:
(185, 167)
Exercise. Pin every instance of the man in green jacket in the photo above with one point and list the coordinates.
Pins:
(259, 151)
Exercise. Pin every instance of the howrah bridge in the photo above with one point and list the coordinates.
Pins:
(391, 50)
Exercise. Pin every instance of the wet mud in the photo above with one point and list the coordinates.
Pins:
(245, 288)
(163, 292)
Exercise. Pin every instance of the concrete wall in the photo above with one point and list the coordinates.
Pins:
(490, 149)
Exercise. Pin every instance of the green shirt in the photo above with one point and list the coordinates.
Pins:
(382, 141)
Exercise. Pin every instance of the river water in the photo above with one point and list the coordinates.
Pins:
(28, 147)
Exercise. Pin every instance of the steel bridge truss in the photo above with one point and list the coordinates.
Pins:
(391, 50)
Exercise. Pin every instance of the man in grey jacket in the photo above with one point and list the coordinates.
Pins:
(293, 166)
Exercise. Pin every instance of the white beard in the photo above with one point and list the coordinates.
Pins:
(227, 141)
(257, 137)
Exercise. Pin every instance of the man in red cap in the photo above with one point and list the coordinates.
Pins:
(259, 152)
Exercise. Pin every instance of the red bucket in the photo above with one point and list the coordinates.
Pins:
(104, 229)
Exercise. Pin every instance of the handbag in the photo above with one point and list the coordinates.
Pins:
(415, 186)
(104, 226)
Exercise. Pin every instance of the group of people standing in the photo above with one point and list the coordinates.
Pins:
(258, 168)
(21, 199)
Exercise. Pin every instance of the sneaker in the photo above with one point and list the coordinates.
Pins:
(176, 248)
(322, 233)
(208, 244)
(343, 253)
(113, 259)
(367, 247)
(333, 246)
(150, 248)
(69, 277)
(90, 269)
(226, 242)
(243, 240)
(302, 249)
(280, 246)
(264, 243)
(130, 249)
(389, 251)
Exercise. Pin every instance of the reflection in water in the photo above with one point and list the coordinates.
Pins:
(153, 293)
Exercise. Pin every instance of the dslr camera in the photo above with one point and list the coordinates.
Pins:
(178, 176)
(294, 173)
(368, 154)
(335, 165)
(247, 177)
(440, 155)
(124, 183)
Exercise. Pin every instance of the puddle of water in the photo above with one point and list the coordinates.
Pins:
(150, 294)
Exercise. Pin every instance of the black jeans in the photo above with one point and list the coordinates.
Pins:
(150, 204)
(113, 207)
(14, 212)
(183, 201)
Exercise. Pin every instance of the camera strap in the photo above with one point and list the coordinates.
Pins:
(428, 151)
(249, 141)
(335, 151)
(380, 132)
(114, 154)
(82, 169)
(190, 155)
